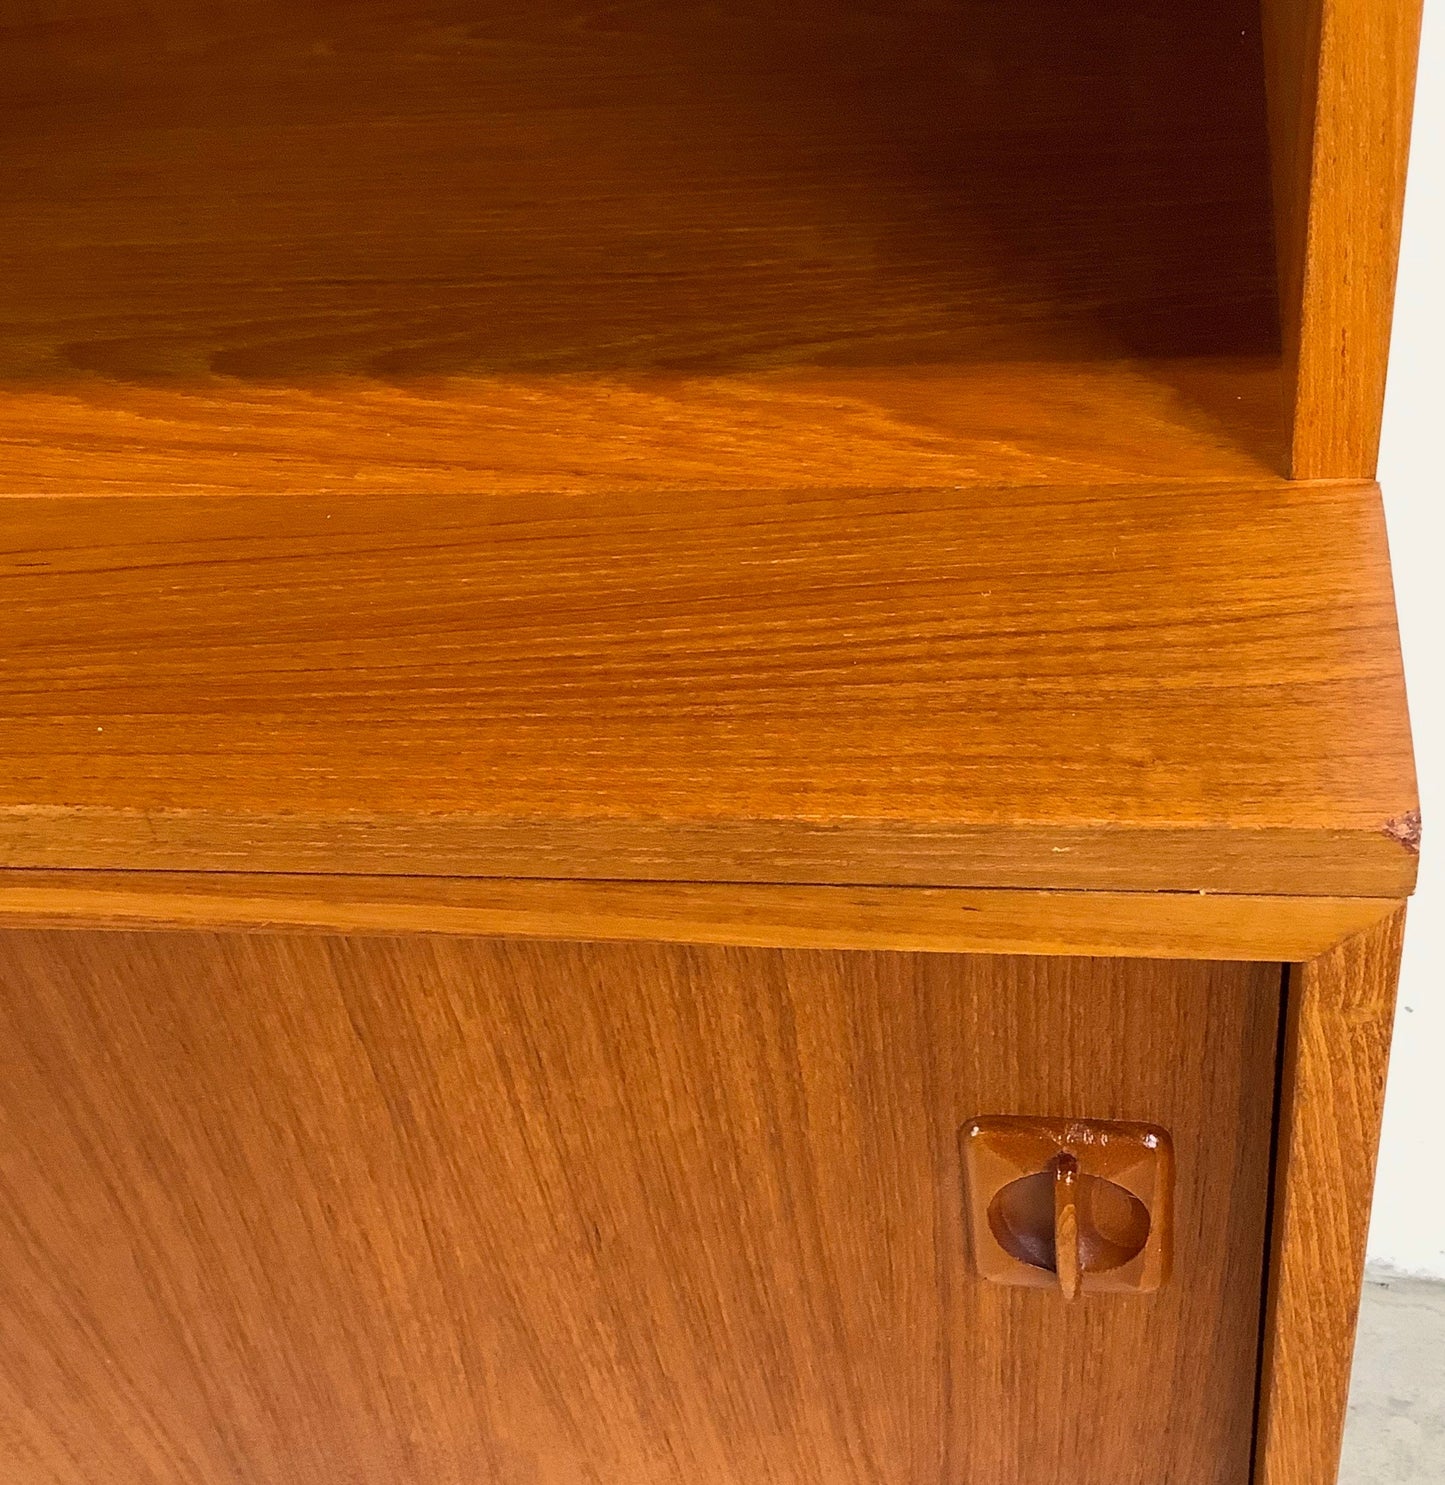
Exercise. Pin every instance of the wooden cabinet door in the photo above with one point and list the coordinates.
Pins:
(307, 1210)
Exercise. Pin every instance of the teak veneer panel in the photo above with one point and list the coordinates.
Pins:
(826, 446)
(1205, 418)
(1341, 77)
(427, 245)
(434, 1211)
(1159, 925)
(1118, 689)
(1340, 1011)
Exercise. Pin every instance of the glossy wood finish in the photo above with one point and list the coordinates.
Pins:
(1064, 688)
(1079, 1206)
(432, 246)
(1341, 76)
(1156, 925)
(1196, 419)
(436, 1211)
(1340, 1010)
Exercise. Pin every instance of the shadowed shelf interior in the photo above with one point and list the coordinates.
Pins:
(541, 245)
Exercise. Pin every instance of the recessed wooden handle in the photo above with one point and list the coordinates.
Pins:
(1045, 1211)
(1069, 1223)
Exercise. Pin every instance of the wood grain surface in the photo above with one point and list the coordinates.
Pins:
(1340, 1011)
(1159, 925)
(1341, 76)
(426, 245)
(1065, 688)
(440, 1211)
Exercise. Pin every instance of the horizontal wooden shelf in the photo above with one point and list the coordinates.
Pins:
(1192, 688)
(818, 443)
(430, 246)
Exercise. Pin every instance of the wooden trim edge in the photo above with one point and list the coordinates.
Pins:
(1366, 858)
(914, 919)
(1339, 1016)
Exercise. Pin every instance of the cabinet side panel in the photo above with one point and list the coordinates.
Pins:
(1340, 1013)
(1340, 77)
(428, 1211)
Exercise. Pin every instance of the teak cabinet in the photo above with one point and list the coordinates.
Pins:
(703, 770)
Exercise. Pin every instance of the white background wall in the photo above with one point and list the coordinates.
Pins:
(1408, 1229)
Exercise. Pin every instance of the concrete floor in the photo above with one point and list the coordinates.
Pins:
(1396, 1430)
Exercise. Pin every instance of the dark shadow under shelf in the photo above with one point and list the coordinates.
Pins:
(442, 246)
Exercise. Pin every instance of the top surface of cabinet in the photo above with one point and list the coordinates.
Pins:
(1196, 689)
